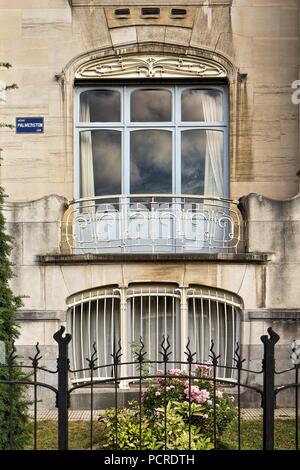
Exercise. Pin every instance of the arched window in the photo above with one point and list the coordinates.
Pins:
(152, 312)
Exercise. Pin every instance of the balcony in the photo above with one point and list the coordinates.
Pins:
(157, 223)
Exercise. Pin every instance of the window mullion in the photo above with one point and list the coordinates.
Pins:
(125, 337)
(126, 143)
(184, 323)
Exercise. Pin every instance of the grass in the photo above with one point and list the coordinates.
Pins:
(79, 435)
(251, 435)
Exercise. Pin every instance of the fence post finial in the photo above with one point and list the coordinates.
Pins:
(59, 338)
(62, 402)
(269, 388)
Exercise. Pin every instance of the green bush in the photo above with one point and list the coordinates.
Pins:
(153, 430)
(13, 414)
(197, 389)
(189, 405)
(14, 418)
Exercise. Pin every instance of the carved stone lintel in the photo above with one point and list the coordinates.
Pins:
(146, 66)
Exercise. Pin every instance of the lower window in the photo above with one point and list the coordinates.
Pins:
(157, 315)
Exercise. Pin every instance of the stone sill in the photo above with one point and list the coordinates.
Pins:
(274, 314)
(233, 258)
(41, 315)
(102, 3)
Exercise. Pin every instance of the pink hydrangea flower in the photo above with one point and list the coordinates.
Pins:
(168, 389)
(203, 396)
(175, 372)
(200, 396)
(157, 394)
(219, 394)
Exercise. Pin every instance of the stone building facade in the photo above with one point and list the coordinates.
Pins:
(211, 252)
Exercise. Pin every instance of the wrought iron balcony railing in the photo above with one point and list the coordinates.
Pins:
(157, 223)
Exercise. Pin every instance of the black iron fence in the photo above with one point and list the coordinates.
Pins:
(141, 376)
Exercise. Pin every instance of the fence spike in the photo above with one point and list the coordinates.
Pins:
(189, 355)
(35, 360)
(237, 357)
(141, 353)
(93, 359)
(213, 357)
(117, 354)
(165, 349)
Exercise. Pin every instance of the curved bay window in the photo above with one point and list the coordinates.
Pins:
(147, 140)
(152, 312)
(152, 171)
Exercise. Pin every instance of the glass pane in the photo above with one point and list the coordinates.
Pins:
(201, 105)
(100, 106)
(193, 146)
(100, 162)
(202, 162)
(151, 106)
(150, 162)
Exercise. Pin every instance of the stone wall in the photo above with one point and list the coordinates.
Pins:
(261, 40)
(264, 277)
(274, 226)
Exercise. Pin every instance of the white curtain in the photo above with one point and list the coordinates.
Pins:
(86, 152)
(214, 177)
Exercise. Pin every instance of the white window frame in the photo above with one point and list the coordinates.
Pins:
(126, 126)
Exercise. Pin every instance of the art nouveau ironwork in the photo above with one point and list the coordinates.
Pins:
(152, 223)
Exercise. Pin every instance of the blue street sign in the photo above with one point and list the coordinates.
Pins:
(29, 125)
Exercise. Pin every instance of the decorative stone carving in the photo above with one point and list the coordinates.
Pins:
(146, 66)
